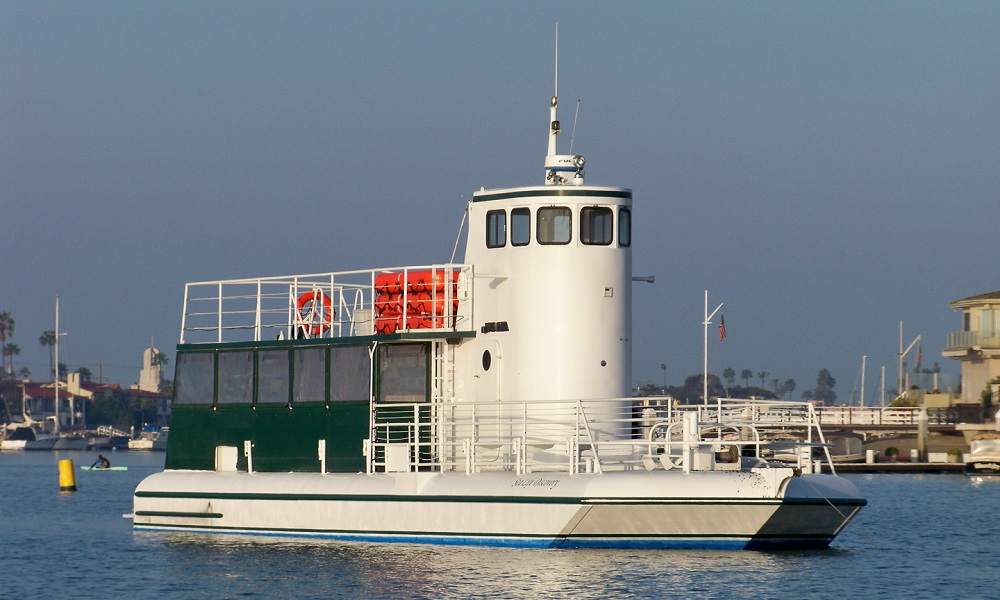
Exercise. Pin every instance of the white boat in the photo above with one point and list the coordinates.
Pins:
(847, 449)
(153, 439)
(71, 442)
(984, 455)
(28, 435)
(484, 402)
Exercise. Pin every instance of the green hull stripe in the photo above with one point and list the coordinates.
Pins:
(469, 534)
(186, 515)
(556, 192)
(499, 499)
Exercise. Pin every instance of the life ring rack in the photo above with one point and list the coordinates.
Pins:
(314, 312)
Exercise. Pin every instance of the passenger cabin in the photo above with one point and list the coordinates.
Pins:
(312, 370)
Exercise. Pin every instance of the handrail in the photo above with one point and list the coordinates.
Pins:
(562, 436)
(265, 307)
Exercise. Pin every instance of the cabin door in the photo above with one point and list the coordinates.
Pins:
(488, 372)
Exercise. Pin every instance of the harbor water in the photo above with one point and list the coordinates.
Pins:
(921, 536)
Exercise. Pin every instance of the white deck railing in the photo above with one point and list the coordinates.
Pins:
(565, 436)
(337, 304)
(867, 415)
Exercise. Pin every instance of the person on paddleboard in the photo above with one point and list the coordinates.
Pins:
(101, 463)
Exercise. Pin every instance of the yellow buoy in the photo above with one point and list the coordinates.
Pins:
(67, 476)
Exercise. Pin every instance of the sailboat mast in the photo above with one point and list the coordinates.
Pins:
(55, 368)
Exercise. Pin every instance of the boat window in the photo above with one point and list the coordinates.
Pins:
(554, 225)
(194, 381)
(402, 373)
(595, 225)
(310, 375)
(496, 229)
(624, 227)
(235, 377)
(350, 372)
(520, 226)
(272, 376)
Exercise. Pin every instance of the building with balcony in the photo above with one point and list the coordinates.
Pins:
(977, 345)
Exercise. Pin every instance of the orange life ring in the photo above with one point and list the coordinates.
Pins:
(309, 305)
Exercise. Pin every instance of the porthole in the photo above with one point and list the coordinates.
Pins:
(487, 360)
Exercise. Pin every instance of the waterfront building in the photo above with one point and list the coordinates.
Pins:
(977, 345)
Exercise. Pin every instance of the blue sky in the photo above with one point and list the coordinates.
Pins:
(824, 169)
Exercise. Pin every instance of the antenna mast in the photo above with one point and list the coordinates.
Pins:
(553, 118)
(558, 167)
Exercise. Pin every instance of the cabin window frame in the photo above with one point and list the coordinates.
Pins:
(548, 233)
(382, 395)
(180, 375)
(625, 227)
(597, 225)
(496, 228)
(228, 376)
(518, 217)
(342, 385)
(263, 378)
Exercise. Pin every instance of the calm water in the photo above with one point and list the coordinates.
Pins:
(920, 537)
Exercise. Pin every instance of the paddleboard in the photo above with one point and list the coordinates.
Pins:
(104, 469)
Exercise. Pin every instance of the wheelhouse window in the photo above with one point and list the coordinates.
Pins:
(195, 378)
(235, 377)
(272, 376)
(595, 225)
(520, 227)
(496, 229)
(624, 227)
(554, 225)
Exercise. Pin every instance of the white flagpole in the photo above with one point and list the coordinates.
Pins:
(706, 323)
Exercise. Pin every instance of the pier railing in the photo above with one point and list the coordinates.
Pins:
(594, 436)
(328, 305)
(865, 415)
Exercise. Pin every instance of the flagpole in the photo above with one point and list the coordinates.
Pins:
(902, 355)
(706, 323)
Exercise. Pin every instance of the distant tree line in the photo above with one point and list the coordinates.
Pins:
(770, 387)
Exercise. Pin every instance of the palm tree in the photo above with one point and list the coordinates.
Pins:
(789, 387)
(729, 375)
(745, 375)
(6, 330)
(159, 359)
(763, 375)
(10, 350)
(48, 338)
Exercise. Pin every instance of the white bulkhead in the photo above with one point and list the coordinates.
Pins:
(553, 298)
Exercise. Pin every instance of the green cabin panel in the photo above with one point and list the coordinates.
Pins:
(283, 439)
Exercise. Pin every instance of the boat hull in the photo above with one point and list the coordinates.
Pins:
(47, 443)
(983, 466)
(71, 443)
(630, 510)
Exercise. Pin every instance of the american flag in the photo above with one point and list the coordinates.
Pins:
(722, 327)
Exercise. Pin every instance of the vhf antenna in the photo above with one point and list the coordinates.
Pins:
(561, 169)
(573, 134)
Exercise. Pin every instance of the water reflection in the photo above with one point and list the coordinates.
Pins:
(319, 567)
